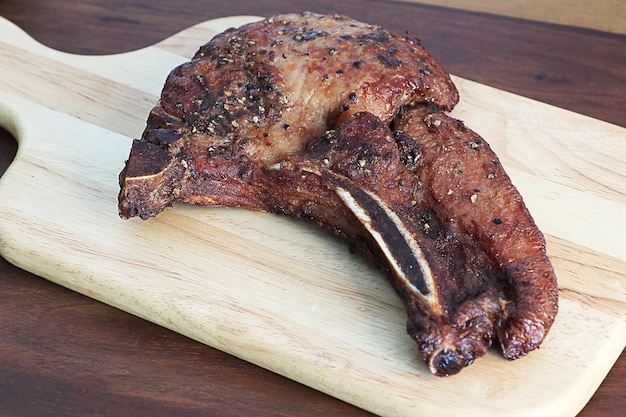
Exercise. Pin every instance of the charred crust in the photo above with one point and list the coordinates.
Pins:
(146, 159)
(410, 150)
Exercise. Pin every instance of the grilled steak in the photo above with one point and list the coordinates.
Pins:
(343, 124)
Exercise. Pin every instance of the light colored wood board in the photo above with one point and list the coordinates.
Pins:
(283, 294)
(605, 15)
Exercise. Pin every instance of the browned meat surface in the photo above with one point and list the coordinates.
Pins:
(343, 124)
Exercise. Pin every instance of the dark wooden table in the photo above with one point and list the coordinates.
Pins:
(63, 354)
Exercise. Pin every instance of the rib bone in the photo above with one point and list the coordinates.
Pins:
(398, 245)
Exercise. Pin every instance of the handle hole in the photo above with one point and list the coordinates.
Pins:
(8, 149)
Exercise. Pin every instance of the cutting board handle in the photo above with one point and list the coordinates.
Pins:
(91, 88)
(11, 34)
(50, 92)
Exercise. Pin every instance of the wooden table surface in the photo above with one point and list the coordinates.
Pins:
(64, 354)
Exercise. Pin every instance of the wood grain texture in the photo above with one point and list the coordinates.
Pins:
(177, 398)
(604, 15)
(97, 360)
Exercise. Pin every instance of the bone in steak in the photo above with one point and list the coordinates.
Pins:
(343, 124)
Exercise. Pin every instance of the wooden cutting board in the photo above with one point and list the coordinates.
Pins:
(285, 295)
